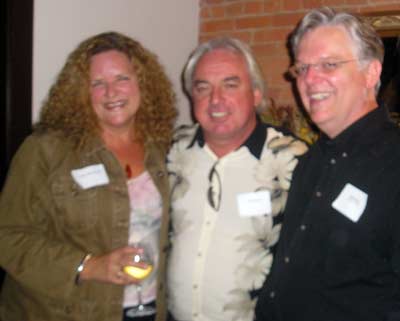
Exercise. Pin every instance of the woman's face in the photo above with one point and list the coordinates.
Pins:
(114, 90)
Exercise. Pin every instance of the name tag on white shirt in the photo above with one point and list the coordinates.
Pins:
(351, 202)
(254, 204)
(90, 176)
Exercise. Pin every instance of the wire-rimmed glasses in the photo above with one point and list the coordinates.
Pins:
(300, 69)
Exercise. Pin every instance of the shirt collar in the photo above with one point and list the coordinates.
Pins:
(254, 142)
(363, 131)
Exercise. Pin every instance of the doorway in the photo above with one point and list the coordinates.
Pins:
(16, 80)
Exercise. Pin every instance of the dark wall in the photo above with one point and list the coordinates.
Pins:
(15, 112)
(16, 80)
(390, 80)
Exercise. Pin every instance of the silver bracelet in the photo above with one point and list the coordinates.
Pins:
(80, 267)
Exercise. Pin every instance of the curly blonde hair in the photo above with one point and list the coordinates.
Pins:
(68, 109)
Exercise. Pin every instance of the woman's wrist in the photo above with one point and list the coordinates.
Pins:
(81, 267)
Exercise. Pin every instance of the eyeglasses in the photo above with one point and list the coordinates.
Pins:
(214, 191)
(325, 67)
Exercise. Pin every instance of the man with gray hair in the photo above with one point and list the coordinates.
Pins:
(230, 175)
(338, 257)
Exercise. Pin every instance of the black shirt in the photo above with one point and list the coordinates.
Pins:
(328, 267)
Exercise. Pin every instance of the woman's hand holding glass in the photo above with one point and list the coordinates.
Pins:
(140, 269)
(141, 264)
(109, 268)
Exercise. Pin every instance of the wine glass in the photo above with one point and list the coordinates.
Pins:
(140, 272)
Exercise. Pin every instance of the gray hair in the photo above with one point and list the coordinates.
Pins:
(367, 43)
(236, 46)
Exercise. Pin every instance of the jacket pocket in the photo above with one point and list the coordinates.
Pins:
(76, 207)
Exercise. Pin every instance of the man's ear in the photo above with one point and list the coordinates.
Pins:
(257, 97)
(373, 75)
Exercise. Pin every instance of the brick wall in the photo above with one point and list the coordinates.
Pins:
(265, 25)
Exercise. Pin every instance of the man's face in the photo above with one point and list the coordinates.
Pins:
(223, 97)
(336, 98)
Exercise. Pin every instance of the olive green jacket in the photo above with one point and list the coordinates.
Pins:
(48, 223)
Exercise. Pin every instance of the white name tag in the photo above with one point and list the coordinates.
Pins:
(90, 176)
(351, 202)
(254, 204)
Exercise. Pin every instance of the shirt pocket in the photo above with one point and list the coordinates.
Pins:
(76, 207)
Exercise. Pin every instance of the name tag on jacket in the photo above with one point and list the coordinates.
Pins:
(90, 176)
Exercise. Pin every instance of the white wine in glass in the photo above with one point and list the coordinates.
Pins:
(140, 273)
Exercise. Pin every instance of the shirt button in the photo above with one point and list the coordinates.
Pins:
(318, 194)
(272, 294)
(199, 254)
(195, 315)
(333, 161)
(344, 154)
(303, 227)
(286, 259)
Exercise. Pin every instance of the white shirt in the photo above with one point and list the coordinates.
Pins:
(216, 256)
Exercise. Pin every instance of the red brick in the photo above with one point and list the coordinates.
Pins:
(254, 7)
(380, 8)
(212, 35)
(334, 3)
(275, 69)
(356, 2)
(204, 13)
(208, 2)
(291, 5)
(387, 2)
(389, 7)
(276, 34)
(217, 25)
(205, 38)
(217, 11)
(245, 36)
(234, 9)
(286, 19)
(311, 4)
(271, 6)
(252, 22)
(266, 50)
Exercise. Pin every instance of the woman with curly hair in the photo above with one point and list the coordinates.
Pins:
(89, 182)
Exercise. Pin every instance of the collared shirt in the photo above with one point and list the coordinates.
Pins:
(338, 257)
(216, 256)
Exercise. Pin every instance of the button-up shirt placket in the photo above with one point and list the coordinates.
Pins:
(205, 242)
